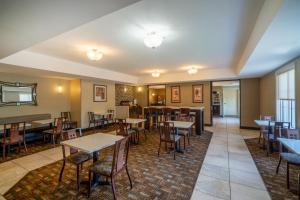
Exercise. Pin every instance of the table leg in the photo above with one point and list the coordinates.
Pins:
(178, 149)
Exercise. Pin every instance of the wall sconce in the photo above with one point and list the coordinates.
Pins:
(153, 94)
(139, 89)
(125, 89)
(59, 89)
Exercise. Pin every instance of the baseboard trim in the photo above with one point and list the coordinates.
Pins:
(249, 127)
(207, 124)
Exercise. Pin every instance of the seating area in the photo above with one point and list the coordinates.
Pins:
(150, 99)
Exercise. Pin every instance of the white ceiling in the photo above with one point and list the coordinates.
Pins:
(279, 44)
(25, 23)
(210, 34)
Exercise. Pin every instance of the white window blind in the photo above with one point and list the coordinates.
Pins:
(286, 96)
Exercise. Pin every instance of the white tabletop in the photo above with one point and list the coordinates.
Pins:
(8, 126)
(260, 122)
(92, 143)
(43, 121)
(182, 124)
(134, 121)
(291, 144)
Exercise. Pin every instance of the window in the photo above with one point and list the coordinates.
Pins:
(286, 95)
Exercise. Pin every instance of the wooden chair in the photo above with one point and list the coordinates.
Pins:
(57, 130)
(110, 169)
(122, 129)
(167, 135)
(76, 157)
(184, 114)
(93, 120)
(67, 120)
(140, 129)
(264, 129)
(270, 137)
(14, 137)
(167, 114)
(290, 158)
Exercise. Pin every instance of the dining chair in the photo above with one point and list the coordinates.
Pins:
(264, 129)
(184, 114)
(168, 136)
(14, 137)
(122, 129)
(68, 123)
(290, 158)
(57, 130)
(93, 120)
(270, 136)
(140, 128)
(167, 114)
(110, 169)
(76, 157)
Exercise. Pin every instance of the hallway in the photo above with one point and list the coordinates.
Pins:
(228, 171)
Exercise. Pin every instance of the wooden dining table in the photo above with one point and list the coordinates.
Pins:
(292, 145)
(92, 144)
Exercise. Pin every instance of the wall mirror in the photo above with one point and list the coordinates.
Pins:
(157, 95)
(15, 94)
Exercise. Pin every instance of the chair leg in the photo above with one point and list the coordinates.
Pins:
(175, 150)
(62, 171)
(145, 134)
(78, 177)
(277, 169)
(299, 186)
(90, 184)
(159, 148)
(113, 187)
(184, 142)
(288, 175)
(3, 152)
(268, 148)
(259, 137)
(128, 177)
(53, 139)
(19, 146)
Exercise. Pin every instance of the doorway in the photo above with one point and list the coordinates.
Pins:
(225, 100)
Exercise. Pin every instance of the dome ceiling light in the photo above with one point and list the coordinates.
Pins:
(156, 74)
(153, 40)
(192, 70)
(94, 54)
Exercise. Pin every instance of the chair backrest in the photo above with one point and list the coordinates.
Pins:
(91, 116)
(267, 117)
(121, 128)
(167, 114)
(66, 116)
(278, 128)
(140, 125)
(289, 133)
(185, 111)
(14, 133)
(58, 125)
(167, 132)
(120, 154)
(71, 134)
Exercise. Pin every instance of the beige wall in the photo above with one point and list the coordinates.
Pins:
(268, 95)
(75, 100)
(250, 99)
(187, 98)
(48, 99)
(87, 103)
(142, 96)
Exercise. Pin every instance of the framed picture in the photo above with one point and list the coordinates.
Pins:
(198, 93)
(100, 93)
(175, 94)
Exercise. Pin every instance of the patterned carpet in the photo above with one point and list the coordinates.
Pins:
(275, 183)
(153, 177)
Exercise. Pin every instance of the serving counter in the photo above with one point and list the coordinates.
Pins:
(199, 115)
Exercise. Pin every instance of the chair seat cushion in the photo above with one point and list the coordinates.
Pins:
(130, 131)
(79, 157)
(291, 158)
(183, 132)
(102, 167)
(177, 137)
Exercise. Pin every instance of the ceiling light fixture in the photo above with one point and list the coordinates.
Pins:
(156, 74)
(94, 54)
(192, 70)
(153, 40)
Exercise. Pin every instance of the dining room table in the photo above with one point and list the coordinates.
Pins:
(261, 122)
(292, 145)
(92, 144)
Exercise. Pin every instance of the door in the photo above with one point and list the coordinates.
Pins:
(230, 101)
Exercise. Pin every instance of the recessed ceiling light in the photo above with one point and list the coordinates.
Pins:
(153, 40)
(156, 74)
(192, 70)
(94, 54)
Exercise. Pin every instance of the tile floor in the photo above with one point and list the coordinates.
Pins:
(228, 171)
